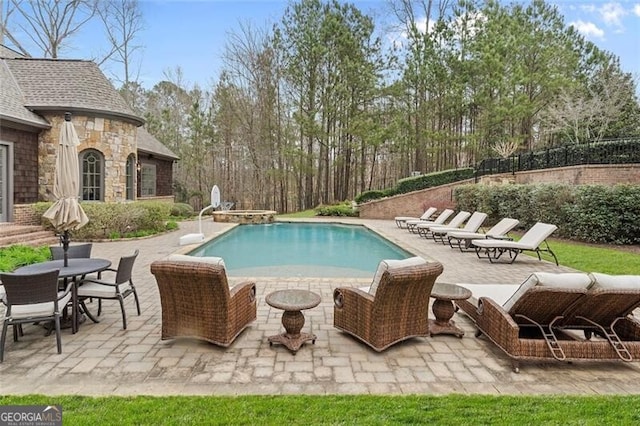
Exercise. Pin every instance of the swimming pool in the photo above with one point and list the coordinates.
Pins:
(285, 249)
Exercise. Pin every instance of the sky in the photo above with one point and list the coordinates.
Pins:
(192, 33)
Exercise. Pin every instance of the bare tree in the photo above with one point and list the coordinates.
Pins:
(49, 24)
(585, 114)
(123, 22)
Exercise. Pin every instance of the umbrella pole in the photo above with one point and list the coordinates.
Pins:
(65, 247)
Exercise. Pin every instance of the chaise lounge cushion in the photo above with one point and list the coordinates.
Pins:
(547, 279)
(391, 264)
(624, 282)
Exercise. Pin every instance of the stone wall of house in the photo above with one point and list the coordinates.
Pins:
(115, 139)
(414, 203)
(25, 164)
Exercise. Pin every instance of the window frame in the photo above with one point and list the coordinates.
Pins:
(88, 175)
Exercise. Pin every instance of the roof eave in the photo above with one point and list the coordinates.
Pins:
(159, 155)
(135, 120)
(22, 122)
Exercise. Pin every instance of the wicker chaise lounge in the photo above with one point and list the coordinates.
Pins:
(198, 303)
(394, 308)
(542, 320)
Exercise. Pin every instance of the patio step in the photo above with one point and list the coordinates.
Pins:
(30, 235)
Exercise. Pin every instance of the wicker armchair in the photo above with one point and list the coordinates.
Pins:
(198, 303)
(397, 311)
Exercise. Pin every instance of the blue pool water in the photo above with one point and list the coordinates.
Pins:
(301, 249)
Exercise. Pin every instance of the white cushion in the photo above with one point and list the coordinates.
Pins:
(100, 290)
(35, 310)
(204, 259)
(390, 264)
(615, 281)
(548, 279)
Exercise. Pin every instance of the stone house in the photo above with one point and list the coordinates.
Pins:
(119, 160)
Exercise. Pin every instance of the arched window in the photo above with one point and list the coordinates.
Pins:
(92, 174)
(131, 170)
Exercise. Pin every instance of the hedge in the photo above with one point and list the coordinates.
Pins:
(107, 219)
(591, 213)
(417, 183)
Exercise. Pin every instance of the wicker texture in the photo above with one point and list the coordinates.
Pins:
(197, 302)
(398, 311)
(511, 334)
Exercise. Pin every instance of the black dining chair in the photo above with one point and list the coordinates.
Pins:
(77, 251)
(119, 289)
(32, 298)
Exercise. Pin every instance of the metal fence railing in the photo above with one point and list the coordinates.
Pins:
(620, 151)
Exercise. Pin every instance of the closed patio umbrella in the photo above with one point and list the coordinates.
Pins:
(66, 213)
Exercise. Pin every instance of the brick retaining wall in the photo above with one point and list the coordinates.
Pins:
(414, 203)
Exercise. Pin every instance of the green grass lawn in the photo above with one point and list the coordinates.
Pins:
(342, 410)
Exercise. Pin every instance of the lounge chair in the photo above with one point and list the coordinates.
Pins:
(402, 220)
(473, 224)
(530, 241)
(500, 230)
(605, 312)
(444, 215)
(424, 229)
(538, 322)
(197, 302)
(394, 308)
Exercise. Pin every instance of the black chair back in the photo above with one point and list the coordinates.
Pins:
(26, 289)
(125, 268)
(78, 251)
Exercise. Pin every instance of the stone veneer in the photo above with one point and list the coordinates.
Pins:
(115, 139)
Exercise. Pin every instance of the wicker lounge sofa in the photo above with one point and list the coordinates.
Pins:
(564, 317)
(197, 301)
(394, 308)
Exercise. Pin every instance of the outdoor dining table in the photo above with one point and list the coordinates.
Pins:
(76, 267)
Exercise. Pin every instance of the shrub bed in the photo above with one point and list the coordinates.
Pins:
(117, 220)
(341, 209)
(591, 213)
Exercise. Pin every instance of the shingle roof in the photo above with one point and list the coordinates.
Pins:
(70, 85)
(6, 52)
(148, 143)
(12, 102)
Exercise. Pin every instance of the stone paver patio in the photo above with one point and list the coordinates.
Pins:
(103, 359)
